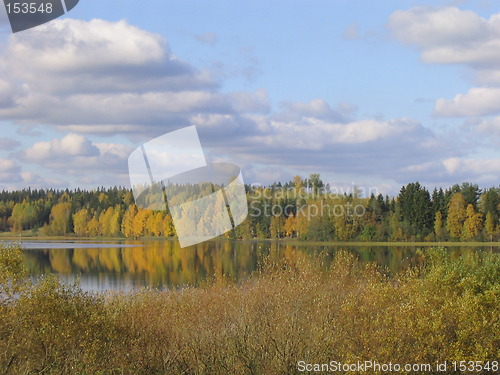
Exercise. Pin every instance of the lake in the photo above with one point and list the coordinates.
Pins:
(128, 265)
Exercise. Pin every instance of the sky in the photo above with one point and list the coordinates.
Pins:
(374, 94)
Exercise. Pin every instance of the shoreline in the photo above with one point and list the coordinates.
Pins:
(285, 241)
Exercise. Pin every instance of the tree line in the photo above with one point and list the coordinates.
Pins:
(304, 208)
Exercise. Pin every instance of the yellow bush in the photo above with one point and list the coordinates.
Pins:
(290, 311)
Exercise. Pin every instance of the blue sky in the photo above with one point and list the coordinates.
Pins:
(368, 93)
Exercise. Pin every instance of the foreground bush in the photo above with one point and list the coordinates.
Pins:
(440, 309)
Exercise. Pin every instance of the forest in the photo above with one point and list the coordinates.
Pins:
(304, 208)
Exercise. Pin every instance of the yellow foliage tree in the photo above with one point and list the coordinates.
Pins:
(105, 220)
(489, 226)
(114, 225)
(290, 225)
(128, 220)
(277, 226)
(80, 222)
(157, 228)
(168, 226)
(439, 226)
(59, 219)
(139, 223)
(456, 215)
(94, 228)
(473, 223)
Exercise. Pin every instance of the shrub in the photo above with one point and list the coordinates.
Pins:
(439, 309)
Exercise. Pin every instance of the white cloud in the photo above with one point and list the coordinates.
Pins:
(76, 45)
(316, 133)
(75, 155)
(69, 146)
(96, 78)
(369, 148)
(108, 77)
(434, 28)
(97, 56)
(477, 101)
(449, 35)
(479, 170)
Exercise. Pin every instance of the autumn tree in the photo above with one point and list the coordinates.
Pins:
(80, 222)
(346, 227)
(290, 226)
(156, 224)
(128, 221)
(168, 226)
(473, 223)
(24, 216)
(60, 218)
(396, 232)
(302, 224)
(94, 228)
(456, 215)
(439, 230)
(298, 183)
(139, 222)
(115, 221)
(277, 226)
(490, 226)
(105, 218)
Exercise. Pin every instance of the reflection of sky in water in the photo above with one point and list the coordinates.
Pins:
(131, 265)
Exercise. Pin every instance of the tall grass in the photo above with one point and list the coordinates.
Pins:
(439, 309)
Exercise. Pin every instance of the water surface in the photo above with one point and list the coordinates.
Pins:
(127, 265)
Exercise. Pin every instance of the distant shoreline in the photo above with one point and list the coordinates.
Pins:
(286, 241)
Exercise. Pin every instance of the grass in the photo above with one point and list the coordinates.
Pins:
(291, 311)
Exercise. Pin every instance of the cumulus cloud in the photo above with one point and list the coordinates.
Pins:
(70, 145)
(477, 101)
(97, 56)
(75, 155)
(449, 35)
(369, 149)
(90, 78)
(314, 133)
(445, 32)
(107, 77)
(481, 170)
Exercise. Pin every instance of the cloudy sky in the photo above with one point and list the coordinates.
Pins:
(368, 93)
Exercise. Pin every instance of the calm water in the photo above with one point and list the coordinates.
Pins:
(126, 265)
